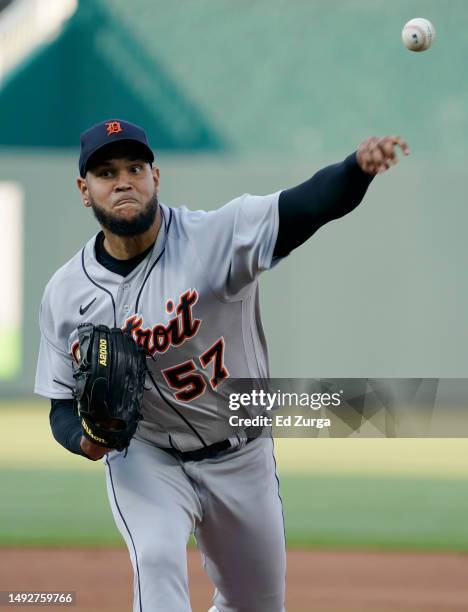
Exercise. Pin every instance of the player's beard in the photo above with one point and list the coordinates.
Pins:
(127, 227)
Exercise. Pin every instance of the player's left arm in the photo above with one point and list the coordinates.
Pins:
(333, 191)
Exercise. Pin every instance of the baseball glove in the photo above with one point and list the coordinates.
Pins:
(110, 382)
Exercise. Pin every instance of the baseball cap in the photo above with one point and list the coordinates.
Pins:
(106, 132)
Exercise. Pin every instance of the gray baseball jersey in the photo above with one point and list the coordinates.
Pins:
(193, 303)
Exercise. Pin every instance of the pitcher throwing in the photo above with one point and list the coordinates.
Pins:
(183, 286)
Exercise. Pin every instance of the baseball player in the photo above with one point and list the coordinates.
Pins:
(184, 284)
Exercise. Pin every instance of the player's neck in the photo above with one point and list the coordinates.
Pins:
(126, 247)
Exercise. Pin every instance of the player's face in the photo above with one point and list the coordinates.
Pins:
(122, 193)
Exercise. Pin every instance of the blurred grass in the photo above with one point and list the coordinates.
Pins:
(55, 508)
(70, 508)
(28, 442)
(353, 493)
(385, 513)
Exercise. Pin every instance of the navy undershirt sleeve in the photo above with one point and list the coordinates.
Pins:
(65, 425)
(331, 193)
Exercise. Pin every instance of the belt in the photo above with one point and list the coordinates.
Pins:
(207, 452)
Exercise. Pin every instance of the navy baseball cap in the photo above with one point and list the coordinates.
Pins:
(106, 132)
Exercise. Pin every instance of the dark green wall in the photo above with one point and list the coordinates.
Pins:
(95, 70)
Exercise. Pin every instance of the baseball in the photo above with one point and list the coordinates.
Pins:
(418, 34)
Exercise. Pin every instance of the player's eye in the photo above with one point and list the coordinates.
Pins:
(105, 173)
(137, 169)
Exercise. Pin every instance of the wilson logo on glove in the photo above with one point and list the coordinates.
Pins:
(90, 433)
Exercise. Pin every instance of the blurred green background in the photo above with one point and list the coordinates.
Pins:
(255, 96)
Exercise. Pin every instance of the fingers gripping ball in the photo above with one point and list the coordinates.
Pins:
(376, 155)
(110, 382)
(418, 34)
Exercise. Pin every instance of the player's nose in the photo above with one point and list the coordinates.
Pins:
(123, 184)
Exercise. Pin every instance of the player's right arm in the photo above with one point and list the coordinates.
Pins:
(332, 192)
(251, 234)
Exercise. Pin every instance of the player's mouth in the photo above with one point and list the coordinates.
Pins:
(125, 201)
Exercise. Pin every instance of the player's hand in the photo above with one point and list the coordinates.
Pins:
(376, 155)
(93, 451)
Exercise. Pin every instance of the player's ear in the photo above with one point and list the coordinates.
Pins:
(83, 187)
(156, 174)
